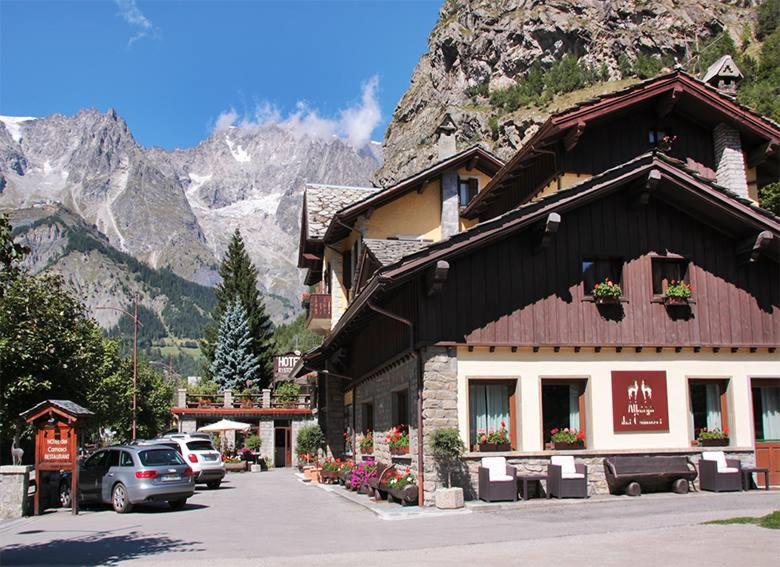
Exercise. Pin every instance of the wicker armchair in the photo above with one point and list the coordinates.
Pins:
(567, 479)
(497, 480)
(719, 474)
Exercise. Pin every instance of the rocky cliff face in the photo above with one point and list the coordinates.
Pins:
(495, 42)
(176, 209)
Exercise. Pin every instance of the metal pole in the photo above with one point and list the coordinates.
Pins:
(135, 361)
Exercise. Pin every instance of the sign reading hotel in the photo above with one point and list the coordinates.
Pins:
(57, 451)
(639, 401)
(283, 364)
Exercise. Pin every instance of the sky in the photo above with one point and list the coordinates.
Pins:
(176, 70)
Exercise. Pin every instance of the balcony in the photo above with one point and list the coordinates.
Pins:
(228, 400)
(318, 313)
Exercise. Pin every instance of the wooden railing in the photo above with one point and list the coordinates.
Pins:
(318, 307)
(247, 401)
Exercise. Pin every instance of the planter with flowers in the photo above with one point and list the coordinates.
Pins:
(567, 438)
(402, 487)
(361, 474)
(398, 440)
(330, 470)
(345, 472)
(678, 293)
(494, 440)
(607, 292)
(234, 464)
(366, 443)
(713, 437)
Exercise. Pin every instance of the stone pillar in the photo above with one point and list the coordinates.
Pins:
(729, 160)
(334, 415)
(268, 447)
(181, 398)
(266, 398)
(14, 483)
(228, 399)
(450, 206)
(440, 408)
(188, 425)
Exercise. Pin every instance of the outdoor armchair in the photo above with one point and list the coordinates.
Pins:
(497, 480)
(567, 479)
(717, 473)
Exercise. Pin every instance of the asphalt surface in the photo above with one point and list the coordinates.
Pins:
(272, 518)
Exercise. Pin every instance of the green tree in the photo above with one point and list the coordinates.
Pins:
(239, 281)
(11, 254)
(309, 440)
(234, 362)
(769, 197)
(295, 336)
(767, 18)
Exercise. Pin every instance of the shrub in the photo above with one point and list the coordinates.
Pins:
(253, 442)
(493, 125)
(287, 392)
(646, 66)
(310, 439)
(768, 17)
(481, 89)
(769, 197)
(447, 448)
(203, 388)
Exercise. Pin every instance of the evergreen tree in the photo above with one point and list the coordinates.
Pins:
(234, 363)
(239, 281)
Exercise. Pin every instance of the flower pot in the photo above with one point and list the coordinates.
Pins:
(565, 446)
(714, 442)
(367, 451)
(672, 301)
(606, 300)
(399, 450)
(493, 447)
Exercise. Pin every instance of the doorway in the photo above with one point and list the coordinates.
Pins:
(766, 425)
(282, 444)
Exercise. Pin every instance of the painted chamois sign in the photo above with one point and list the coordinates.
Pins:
(639, 401)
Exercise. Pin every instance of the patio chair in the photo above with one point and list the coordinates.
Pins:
(567, 479)
(719, 474)
(497, 480)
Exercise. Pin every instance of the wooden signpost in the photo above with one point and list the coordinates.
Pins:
(57, 424)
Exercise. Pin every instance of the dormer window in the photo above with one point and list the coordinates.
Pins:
(654, 137)
(467, 190)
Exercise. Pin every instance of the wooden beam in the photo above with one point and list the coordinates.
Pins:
(472, 163)
(422, 186)
(648, 188)
(437, 276)
(667, 102)
(760, 154)
(573, 136)
(750, 249)
(551, 225)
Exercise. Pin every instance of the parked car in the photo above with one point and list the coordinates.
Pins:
(125, 475)
(199, 453)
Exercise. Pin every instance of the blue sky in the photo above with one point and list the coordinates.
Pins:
(175, 69)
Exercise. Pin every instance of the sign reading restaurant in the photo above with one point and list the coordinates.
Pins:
(284, 363)
(639, 401)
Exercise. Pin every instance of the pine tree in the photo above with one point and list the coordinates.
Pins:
(239, 281)
(234, 363)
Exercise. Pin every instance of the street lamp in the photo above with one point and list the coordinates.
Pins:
(136, 322)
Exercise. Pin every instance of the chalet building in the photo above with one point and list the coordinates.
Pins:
(463, 296)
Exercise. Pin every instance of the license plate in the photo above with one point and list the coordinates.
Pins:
(170, 477)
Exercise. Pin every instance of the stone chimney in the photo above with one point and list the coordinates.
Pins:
(446, 141)
(729, 160)
(724, 75)
(450, 206)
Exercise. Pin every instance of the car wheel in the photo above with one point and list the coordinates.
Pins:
(213, 484)
(120, 499)
(65, 501)
(177, 504)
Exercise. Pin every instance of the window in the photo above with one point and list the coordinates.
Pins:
(160, 457)
(708, 405)
(346, 266)
(401, 407)
(563, 405)
(667, 270)
(97, 460)
(368, 417)
(596, 270)
(766, 409)
(200, 446)
(326, 278)
(655, 136)
(467, 190)
(125, 460)
(113, 459)
(491, 403)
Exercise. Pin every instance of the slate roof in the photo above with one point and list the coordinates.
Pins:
(390, 251)
(324, 201)
(64, 405)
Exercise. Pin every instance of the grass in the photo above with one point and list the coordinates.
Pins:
(771, 521)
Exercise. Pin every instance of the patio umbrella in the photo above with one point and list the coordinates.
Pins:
(224, 425)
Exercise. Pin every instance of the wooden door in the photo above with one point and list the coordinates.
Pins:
(288, 446)
(768, 456)
(767, 443)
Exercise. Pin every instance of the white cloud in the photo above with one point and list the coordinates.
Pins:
(135, 18)
(354, 124)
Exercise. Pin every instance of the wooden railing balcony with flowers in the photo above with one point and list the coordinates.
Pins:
(318, 310)
(246, 401)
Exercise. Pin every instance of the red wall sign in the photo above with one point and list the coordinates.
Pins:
(639, 401)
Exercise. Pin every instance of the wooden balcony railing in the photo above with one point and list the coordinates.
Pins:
(247, 401)
(318, 312)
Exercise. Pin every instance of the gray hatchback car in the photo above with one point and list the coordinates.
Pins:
(124, 475)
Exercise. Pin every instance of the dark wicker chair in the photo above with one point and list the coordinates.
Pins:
(567, 479)
(719, 474)
(497, 480)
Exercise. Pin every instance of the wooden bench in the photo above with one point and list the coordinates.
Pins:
(632, 475)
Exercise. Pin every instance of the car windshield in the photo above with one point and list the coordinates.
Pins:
(160, 457)
(200, 446)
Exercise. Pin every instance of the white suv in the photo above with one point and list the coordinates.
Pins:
(199, 453)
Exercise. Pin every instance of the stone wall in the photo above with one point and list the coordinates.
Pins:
(332, 418)
(268, 440)
(729, 159)
(14, 483)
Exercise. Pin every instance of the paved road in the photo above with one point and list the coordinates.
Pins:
(273, 519)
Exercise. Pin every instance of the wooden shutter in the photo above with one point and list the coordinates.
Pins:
(473, 188)
(347, 269)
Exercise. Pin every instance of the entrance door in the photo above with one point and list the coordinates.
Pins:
(282, 447)
(766, 423)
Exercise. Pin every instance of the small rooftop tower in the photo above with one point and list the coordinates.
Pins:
(724, 75)
(446, 141)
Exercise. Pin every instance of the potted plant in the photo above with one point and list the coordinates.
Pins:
(330, 469)
(398, 440)
(678, 293)
(234, 464)
(286, 394)
(361, 474)
(366, 443)
(607, 292)
(345, 472)
(497, 440)
(713, 437)
(310, 440)
(447, 448)
(567, 438)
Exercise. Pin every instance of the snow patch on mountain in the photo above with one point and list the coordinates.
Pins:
(238, 153)
(14, 125)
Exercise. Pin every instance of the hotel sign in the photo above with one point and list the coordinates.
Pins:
(283, 364)
(639, 401)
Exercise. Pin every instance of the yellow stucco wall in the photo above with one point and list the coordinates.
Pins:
(530, 368)
(413, 214)
(567, 180)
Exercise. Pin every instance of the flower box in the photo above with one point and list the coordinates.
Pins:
(606, 300)
(675, 301)
(236, 467)
(714, 442)
(367, 451)
(565, 446)
(493, 447)
(399, 450)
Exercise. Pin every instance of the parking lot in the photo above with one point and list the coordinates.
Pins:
(272, 518)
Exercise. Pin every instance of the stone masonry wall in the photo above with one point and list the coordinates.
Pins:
(730, 162)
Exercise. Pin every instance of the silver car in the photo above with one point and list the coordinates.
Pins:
(127, 474)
